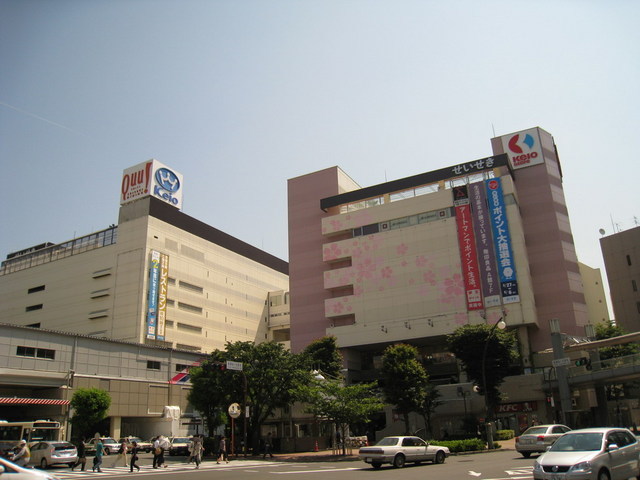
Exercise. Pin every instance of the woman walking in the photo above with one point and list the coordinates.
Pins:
(134, 456)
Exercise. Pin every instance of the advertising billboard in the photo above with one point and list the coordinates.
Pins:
(467, 244)
(162, 295)
(524, 148)
(152, 296)
(151, 178)
(502, 241)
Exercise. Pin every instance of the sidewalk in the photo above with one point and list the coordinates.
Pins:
(330, 456)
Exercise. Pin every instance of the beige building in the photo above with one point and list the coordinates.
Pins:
(621, 253)
(594, 294)
(160, 277)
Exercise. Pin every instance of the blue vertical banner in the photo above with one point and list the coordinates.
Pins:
(502, 241)
(152, 299)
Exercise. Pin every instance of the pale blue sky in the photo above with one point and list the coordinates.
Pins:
(239, 96)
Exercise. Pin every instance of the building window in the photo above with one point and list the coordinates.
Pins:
(189, 308)
(32, 352)
(153, 365)
(39, 288)
(190, 286)
(181, 366)
(31, 308)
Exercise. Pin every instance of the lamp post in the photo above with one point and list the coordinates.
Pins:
(501, 325)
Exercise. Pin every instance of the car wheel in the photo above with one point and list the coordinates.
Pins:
(376, 464)
(43, 463)
(399, 460)
(439, 457)
(525, 454)
(603, 475)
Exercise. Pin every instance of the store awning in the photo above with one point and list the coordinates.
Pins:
(32, 401)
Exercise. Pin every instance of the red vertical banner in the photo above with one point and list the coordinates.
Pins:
(468, 251)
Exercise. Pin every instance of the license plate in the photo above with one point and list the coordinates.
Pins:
(557, 477)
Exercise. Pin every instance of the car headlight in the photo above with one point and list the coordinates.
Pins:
(537, 467)
(582, 467)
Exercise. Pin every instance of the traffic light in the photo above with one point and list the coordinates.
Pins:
(583, 362)
(217, 366)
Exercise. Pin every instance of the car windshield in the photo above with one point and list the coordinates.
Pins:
(578, 442)
(108, 440)
(387, 441)
(135, 439)
(181, 440)
(63, 446)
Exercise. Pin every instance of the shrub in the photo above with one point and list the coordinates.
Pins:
(504, 434)
(457, 446)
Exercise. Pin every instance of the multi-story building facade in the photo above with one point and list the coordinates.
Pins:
(621, 253)
(160, 277)
(411, 260)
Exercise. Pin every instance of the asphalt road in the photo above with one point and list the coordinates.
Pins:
(497, 465)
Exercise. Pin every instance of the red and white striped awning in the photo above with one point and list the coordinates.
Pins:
(32, 401)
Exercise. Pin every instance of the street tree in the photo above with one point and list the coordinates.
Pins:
(404, 380)
(323, 355)
(210, 394)
(90, 407)
(269, 379)
(427, 408)
(468, 344)
(609, 329)
(342, 404)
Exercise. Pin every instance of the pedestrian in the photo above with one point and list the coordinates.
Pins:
(22, 456)
(196, 452)
(97, 460)
(82, 455)
(122, 454)
(134, 457)
(222, 450)
(159, 446)
(267, 446)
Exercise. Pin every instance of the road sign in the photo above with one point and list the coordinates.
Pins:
(231, 365)
(561, 362)
(234, 410)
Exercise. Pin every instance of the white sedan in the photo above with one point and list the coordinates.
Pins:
(14, 472)
(399, 450)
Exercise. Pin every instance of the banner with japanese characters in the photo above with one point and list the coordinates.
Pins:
(467, 245)
(502, 241)
(484, 245)
(162, 295)
(152, 298)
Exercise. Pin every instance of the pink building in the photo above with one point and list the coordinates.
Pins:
(413, 259)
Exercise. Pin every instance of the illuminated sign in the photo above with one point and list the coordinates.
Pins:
(151, 178)
(524, 148)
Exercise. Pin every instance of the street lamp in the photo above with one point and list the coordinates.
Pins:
(501, 325)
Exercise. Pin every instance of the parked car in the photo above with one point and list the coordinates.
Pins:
(110, 445)
(538, 438)
(14, 472)
(179, 445)
(143, 445)
(45, 454)
(400, 450)
(591, 454)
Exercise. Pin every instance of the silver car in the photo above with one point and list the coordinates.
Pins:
(538, 438)
(45, 454)
(400, 450)
(590, 454)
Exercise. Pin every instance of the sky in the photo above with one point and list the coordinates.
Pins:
(241, 95)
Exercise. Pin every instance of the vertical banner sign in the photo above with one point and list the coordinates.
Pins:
(162, 295)
(467, 244)
(484, 245)
(152, 300)
(502, 241)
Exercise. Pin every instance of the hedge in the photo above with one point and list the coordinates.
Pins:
(456, 446)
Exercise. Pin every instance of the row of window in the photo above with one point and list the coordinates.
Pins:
(33, 352)
(403, 222)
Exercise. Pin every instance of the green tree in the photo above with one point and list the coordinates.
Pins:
(270, 379)
(404, 380)
(468, 344)
(90, 407)
(209, 393)
(608, 329)
(430, 402)
(342, 404)
(323, 355)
